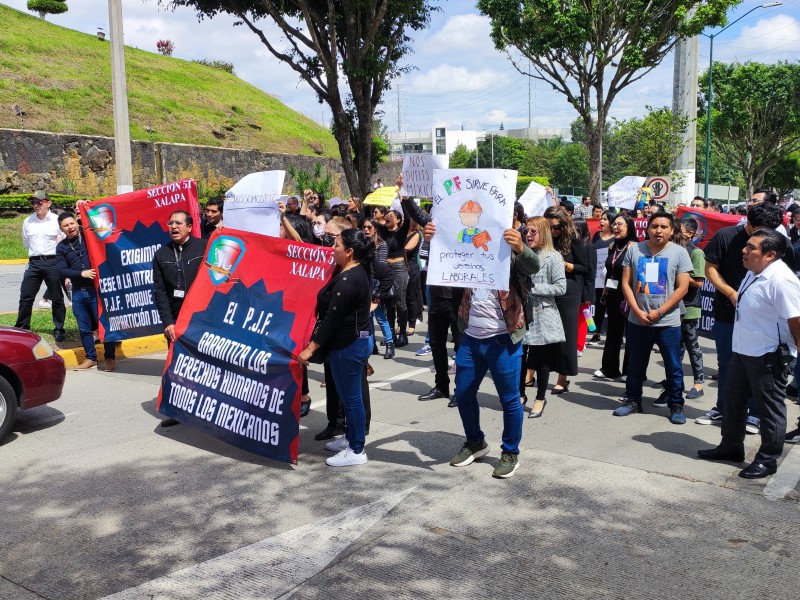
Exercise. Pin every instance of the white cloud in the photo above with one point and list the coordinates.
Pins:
(768, 40)
(461, 33)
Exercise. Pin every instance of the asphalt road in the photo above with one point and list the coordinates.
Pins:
(10, 280)
(98, 500)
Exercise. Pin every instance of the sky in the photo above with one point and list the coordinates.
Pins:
(458, 79)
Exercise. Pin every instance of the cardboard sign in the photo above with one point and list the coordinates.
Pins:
(252, 203)
(473, 207)
(418, 174)
(382, 196)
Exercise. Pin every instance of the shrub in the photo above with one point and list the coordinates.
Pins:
(165, 47)
(216, 64)
(48, 7)
(22, 202)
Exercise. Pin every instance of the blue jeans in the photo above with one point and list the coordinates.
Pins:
(347, 364)
(503, 358)
(723, 338)
(640, 341)
(84, 307)
(383, 322)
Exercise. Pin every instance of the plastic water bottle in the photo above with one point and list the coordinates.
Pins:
(587, 316)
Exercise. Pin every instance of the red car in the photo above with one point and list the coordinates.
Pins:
(31, 374)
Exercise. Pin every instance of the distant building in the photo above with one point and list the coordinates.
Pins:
(441, 140)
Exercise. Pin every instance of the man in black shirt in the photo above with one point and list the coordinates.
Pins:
(725, 271)
(72, 260)
(175, 268)
(212, 217)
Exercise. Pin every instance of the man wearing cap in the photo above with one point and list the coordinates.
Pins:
(40, 235)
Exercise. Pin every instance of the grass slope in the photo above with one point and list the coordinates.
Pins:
(62, 79)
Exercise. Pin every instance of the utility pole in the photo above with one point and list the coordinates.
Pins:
(119, 92)
(399, 126)
(684, 105)
(529, 95)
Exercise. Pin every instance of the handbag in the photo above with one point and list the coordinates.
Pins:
(624, 308)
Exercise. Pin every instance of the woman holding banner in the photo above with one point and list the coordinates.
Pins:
(342, 332)
(394, 233)
(576, 266)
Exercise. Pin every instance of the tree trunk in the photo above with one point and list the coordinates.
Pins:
(594, 140)
(342, 135)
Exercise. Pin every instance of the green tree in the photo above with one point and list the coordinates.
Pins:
(755, 117)
(571, 166)
(348, 51)
(784, 176)
(461, 158)
(48, 7)
(502, 152)
(650, 145)
(590, 50)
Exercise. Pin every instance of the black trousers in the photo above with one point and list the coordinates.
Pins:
(333, 406)
(39, 271)
(439, 324)
(615, 331)
(763, 378)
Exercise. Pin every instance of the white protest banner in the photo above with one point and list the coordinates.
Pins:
(252, 203)
(535, 200)
(418, 174)
(472, 208)
(623, 193)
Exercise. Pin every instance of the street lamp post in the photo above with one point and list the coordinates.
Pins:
(711, 37)
(119, 94)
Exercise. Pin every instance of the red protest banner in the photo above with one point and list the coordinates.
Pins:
(231, 371)
(708, 222)
(641, 227)
(122, 234)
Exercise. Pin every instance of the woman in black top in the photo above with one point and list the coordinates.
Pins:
(576, 266)
(343, 310)
(413, 290)
(394, 233)
(624, 235)
(602, 239)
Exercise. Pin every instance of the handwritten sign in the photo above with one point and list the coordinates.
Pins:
(252, 204)
(624, 193)
(383, 196)
(418, 174)
(535, 200)
(472, 209)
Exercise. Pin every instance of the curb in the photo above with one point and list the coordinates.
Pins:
(125, 349)
(14, 261)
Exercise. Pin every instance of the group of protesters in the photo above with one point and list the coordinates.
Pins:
(646, 293)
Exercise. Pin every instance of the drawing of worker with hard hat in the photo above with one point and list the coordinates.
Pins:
(469, 213)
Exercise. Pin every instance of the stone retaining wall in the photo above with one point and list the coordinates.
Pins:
(83, 164)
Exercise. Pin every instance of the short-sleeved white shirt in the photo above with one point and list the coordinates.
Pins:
(41, 236)
(765, 302)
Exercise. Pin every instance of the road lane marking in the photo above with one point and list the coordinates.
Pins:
(271, 567)
(787, 477)
(400, 377)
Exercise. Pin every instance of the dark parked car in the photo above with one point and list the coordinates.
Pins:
(31, 374)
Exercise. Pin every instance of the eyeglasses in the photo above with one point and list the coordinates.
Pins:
(555, 227)
(617, 225)
(368, 228)
(176, 223)
(37, 202)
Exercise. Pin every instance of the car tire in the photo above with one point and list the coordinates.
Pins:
(8, 408)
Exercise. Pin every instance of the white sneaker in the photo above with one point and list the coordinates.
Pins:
(580, 353)
(45, 304)
(338, 444)
(346, 458)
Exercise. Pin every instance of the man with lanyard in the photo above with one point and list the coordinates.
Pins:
(724, 270)
(175, 267)
(766, 333)
(40, 235)
(655, 277)
(72, 259)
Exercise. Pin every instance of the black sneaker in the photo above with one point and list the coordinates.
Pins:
(792, 437)
(470, 452)
(661, 401)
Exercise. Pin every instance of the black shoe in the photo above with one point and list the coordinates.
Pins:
(452, 402)
(402, 340)
(170, 422)
(375, 348)
(720, 453)
(328, 432)
(534, 414)
(59, 336)
(758, 470)
(434, 394)
(305, 408)
(389, 350)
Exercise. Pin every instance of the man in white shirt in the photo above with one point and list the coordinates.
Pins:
(766, 334)
(40, 235)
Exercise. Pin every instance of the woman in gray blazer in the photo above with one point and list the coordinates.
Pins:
(545, 332)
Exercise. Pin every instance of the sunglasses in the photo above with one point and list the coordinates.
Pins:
(555, 227)
(37, 202)
(368, 228)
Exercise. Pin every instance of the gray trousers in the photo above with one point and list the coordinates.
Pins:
(763, 378)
